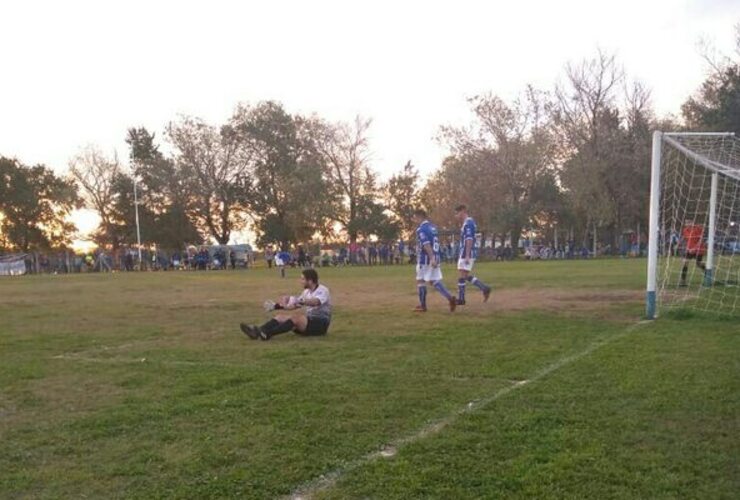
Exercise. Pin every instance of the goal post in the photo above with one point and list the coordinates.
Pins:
(654, 227)
(694, 237)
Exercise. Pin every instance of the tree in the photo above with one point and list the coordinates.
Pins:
(604, 146)
(217, 162)
(634, 184)
(401, 196)
(95, 173)
(587, 121)
(289, 197)
(371, 219)
(345, 151)
(716, 105)
(164, 190)
(35, 207)
(501, 167)
(122, 230)
(464, 177)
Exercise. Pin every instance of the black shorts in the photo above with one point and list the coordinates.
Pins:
(692, 256)
(316, 326)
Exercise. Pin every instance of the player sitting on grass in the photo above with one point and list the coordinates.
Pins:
(315, 321)
(468, 253)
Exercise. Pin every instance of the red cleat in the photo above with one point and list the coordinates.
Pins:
(419, 309)
(453, 304)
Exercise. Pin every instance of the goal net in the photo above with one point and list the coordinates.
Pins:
(694, 252)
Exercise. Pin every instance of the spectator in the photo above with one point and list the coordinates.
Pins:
(269, 256)
(302, 259)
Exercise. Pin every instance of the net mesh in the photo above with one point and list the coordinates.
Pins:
(699, 267)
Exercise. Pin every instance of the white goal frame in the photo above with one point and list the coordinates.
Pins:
(716, 169)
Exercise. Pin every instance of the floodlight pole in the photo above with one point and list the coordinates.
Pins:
(138, 232)
(708, 273)
(654, 231)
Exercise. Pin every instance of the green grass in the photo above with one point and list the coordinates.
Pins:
(140, 385)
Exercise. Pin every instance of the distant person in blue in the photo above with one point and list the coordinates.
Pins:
(468, 254)
(428, 260)
(282, 259)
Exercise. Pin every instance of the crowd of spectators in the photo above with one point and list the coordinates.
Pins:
(222, 257)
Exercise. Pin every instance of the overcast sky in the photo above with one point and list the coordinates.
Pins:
(76, 73)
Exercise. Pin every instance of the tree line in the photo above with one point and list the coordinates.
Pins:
(574, 159)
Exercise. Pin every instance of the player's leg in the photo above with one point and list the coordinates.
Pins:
(463, 274)
(699, 262)
(281, 323)
(434, 276)
(421, 290)
(462, 277)
(465, 267)
(685, 268)
(478, 283)
(300, 323)
(311, 326)
(264, 332)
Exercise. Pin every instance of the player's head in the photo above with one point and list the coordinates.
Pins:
(461, 212)
(420, 215)
(309, 278)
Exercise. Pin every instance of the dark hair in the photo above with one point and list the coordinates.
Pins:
(311, 275)
(460, 207)
(420, 212)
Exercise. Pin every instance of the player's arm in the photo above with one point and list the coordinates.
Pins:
(427, 247)
(320, 296)
(312, 302)
(469, 241)
(468, 248)
(288, 302)
(304, 300)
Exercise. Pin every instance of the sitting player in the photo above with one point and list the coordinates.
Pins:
(315, 321)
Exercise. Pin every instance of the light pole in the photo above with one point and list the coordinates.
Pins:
(136, 211)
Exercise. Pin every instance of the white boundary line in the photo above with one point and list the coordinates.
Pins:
(326, 481)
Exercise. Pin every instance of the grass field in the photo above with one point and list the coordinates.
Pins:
(141, 386)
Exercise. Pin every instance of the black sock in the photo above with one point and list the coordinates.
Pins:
(683, 273)
(267, 327)
(283, 327)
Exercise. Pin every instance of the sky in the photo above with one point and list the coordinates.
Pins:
(79, 73)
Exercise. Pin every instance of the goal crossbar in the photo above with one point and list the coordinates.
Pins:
(710, 164)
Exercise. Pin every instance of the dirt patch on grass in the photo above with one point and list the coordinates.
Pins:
(514, 299)
(556, 299)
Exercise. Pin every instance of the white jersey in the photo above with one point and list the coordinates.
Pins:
(324, 309)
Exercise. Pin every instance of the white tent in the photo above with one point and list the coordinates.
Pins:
(13, 265)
